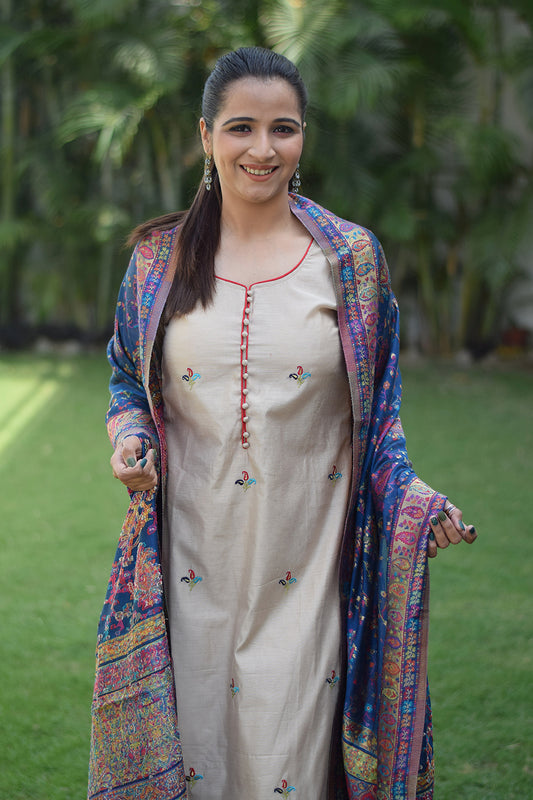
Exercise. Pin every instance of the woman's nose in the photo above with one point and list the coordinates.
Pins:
(261, 146)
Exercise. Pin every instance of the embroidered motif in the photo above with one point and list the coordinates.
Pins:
(192, 778)
(333, 681)
(284, 789)
(234, 689)
(192, 579)
(334, 475)
(245, 481)
(287, 581)
(300, 376)
(191, 378)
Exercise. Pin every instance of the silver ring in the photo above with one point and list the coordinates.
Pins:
(448, 510)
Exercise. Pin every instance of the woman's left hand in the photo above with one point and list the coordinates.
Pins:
(447, 527)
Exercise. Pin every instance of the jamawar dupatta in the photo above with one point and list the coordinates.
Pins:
(386, 724)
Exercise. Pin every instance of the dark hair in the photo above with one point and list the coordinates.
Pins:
(199, 232)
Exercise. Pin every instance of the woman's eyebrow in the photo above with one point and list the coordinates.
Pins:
(252, 119)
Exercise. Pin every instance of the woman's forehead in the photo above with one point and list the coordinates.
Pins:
(253, 97)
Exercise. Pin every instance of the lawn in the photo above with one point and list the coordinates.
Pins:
(470, 434)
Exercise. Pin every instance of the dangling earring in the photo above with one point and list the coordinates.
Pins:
(295, 182)
(208, 178)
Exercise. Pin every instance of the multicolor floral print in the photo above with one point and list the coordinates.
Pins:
(190, 378)
(245, 481)
(284, 790)
(300, 376)
(192, 579)
(335, 475)
(333, 679)
(193, 777)
(288, 580)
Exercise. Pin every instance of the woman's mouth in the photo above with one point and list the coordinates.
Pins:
(258, 171)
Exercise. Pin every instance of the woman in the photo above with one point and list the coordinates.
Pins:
(254, 415)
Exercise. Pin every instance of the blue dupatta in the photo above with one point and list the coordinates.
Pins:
(385, 733)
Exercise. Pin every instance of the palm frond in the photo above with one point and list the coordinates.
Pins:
(299, 28)
(114, 113)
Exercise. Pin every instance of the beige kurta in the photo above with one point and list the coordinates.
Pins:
(258, 425)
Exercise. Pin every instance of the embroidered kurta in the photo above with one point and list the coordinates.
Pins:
(381, 746)
(258, 430)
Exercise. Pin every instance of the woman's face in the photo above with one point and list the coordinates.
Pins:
(256, 140)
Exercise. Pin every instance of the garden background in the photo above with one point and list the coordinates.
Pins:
(420, 127)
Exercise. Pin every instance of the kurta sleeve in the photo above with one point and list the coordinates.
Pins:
(129, 410)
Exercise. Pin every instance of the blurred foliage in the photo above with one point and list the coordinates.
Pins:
(419, 127)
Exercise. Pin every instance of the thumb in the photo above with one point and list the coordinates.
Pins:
(131, 450)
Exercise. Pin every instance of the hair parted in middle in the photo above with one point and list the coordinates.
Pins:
(198, 237)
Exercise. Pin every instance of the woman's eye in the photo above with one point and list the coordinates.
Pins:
(283, 129)
(240, 128)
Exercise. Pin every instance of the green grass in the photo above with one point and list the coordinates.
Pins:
(470, 434)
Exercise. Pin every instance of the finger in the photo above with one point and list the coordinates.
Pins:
(131, 450)
(450, 531)
(456, 516)
(438, 532)
(432, 545)
(143, 475)
(469, 534)
(149, 459)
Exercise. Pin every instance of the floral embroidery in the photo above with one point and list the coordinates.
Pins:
(192, 777)
(334, 475)
(284, 789)
(245, 481)
(192, 579)
(191, 377)
(287, 581)
(300, 376)
(333, 680)
(234, 689)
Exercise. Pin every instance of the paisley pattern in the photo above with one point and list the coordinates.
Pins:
(384, 750)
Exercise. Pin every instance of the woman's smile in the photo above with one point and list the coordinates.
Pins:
(261, 171)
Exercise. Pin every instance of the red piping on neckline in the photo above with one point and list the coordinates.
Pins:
(268, 280)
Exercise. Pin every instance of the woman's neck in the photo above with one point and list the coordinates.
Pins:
(247, 221)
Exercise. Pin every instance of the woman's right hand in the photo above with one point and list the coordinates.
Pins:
(138, 474)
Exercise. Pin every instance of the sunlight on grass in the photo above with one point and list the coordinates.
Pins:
(23, 398)
(25, 405)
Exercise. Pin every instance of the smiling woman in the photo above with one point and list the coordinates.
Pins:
(270, 585)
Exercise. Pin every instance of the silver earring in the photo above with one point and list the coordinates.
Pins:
(295, 182)
(208, 178)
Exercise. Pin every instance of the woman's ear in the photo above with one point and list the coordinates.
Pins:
(206, 137)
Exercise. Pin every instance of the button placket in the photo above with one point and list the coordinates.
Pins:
(244, 369)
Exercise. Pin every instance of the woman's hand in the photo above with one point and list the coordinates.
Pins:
(447, 527)
(138, 474)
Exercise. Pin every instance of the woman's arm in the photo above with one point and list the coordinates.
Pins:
(129, 422)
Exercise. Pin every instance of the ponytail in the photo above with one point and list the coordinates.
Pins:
(195, 247)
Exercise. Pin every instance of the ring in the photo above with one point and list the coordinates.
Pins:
(448, 510)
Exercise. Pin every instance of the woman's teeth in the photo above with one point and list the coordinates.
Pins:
(259, 171)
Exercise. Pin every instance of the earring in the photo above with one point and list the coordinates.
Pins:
(208, 179)
(295, 182)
